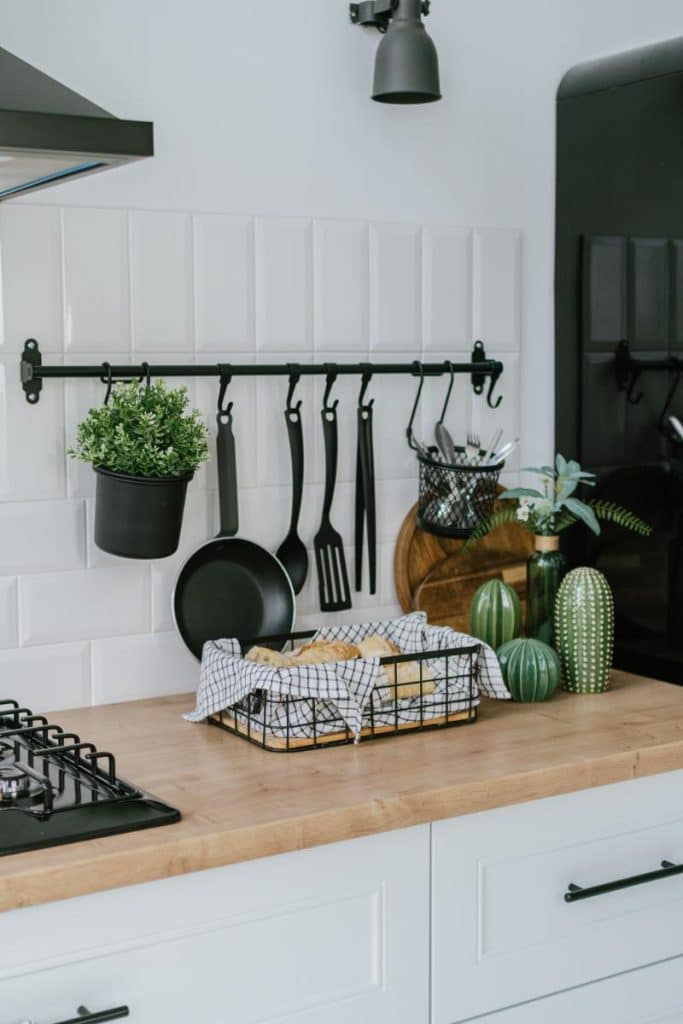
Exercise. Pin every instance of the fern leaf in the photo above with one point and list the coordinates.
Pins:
(612, 513)
(500, 517)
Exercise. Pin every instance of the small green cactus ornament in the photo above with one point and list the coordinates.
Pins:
(496, 613)
(584, 631)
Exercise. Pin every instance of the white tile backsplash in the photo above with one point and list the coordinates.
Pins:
(96, 281)
(9, 631)
(78, 625)
(284, 284)
(48, 678)
(342, 286)
(41, 536)
(54, 607)
(224, 283)
(161, 281)
(136, 667)
(31, 255)
(395, 287)
(447, 288)
(497, 289)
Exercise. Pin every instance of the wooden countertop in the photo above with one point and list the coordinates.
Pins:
(239, 802)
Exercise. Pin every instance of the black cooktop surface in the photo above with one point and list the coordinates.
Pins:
(56, 788)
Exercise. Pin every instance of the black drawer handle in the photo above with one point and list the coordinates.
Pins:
(86, 1017)
(576, 892)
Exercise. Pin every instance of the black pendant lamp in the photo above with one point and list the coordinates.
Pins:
(407, 64)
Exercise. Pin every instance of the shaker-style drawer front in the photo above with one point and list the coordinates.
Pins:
(504, 931)
(321, 936)
(651, 995)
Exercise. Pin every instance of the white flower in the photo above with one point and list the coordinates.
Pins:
(523, 513)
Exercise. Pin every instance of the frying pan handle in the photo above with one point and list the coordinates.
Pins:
(296, 448)
(227, 476)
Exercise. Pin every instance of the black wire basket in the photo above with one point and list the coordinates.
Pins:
(438, 698)
(454, 498)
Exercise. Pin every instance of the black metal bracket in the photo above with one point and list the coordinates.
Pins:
(85, 1016)
(576, 892)
(378, 13)
(628, 370)
(33, 372)
(30, 381)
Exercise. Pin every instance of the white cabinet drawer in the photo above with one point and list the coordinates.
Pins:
(502, 931)
(651, 995)
(317, 937)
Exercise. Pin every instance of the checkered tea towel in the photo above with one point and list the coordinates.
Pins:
(227, 678)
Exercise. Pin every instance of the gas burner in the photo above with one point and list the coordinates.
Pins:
(16, 784)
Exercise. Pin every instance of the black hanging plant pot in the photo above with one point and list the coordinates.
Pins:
(144, 447)
(139, 517)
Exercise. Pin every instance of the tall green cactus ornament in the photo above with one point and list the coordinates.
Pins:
(584, 631)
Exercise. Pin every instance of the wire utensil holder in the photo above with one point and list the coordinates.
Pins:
(454, 497)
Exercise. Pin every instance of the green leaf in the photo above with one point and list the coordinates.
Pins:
(560, 464)
(540, 470)
(521, 492)
(566, 488)
(583, 512)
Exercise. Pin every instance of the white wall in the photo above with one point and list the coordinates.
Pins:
(263, 109)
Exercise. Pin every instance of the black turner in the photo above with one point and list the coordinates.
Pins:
(333, 580)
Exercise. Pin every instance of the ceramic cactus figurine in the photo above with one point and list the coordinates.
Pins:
(531, 669)
(584, 631)
(496, 613)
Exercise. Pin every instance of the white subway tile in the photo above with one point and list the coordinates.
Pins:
(41, 536)
(394, 500)
(161, 281)
(395, 287)
(497, 289)
(50, 678)
(341, 253)
(32, 448)
(163, 580)
(9, 633)
(54, 607)
(31, 253)
(284, 285)
(447, 292)
(224, 283)
(96, 281)
(137, 667)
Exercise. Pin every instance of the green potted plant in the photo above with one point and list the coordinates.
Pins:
(145, 447)
(546, 512)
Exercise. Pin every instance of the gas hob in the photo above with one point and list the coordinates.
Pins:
(56, 788)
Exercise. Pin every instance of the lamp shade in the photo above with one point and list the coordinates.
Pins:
(407, 64)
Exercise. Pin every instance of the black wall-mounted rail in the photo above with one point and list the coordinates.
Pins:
(33, 372)
(576, 892)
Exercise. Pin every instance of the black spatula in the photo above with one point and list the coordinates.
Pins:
(333, 580)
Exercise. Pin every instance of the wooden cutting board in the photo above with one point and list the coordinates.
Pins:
(434, 575)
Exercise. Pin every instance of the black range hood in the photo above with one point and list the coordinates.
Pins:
(49, 134)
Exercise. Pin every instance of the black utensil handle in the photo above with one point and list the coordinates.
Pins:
(85, 1017)
(576, 892)
(329, 418)
(369, 489)
(296, 451)
(227, 476)
(360, 509)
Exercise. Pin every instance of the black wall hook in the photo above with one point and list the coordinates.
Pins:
(418, 369)
(489, 396)
(330, 379)
(294, 378)
(224, 412)
(628, 373)
(365, 383)
(448, 393)
(667, 405)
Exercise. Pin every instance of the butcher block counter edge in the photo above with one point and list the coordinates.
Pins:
(240, 803)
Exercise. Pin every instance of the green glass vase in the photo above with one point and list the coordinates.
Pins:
(545, 570)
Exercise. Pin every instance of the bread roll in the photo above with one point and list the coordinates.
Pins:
(377, 647)
(322, 651)
(404, 681)
(264, 655)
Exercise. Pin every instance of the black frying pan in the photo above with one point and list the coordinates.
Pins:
(231, 587)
